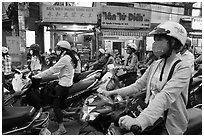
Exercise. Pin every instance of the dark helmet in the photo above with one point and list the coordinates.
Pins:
(35, 47)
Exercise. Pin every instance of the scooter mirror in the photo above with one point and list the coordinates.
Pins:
(118, 98)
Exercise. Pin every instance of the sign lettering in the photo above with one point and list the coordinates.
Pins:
(69, 14)
(117, 17)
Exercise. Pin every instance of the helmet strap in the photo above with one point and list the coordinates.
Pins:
(63, 52)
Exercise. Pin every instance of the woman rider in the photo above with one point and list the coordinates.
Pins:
(65, 66)
(131, 65)
(161, 95)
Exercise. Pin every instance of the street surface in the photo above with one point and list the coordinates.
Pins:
(72, 127)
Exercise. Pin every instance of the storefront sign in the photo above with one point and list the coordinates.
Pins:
(123, 17)
(123, 33)
(69, 14)
(197, 23)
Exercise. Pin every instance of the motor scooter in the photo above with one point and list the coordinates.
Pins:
(23, 120)
(100, 112)
(40, 93)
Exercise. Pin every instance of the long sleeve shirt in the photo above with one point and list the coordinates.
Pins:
(168, 95)
(66, 71)
(6, 65)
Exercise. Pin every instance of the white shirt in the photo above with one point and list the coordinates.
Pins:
(66, 69)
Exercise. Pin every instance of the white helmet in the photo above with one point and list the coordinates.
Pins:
(132, 45)
(5, 50)
(75, 49)
(109, 51)
(64, 44)
(102, 51)
(172, 29)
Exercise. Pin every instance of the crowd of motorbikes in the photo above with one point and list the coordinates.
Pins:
(27, 103)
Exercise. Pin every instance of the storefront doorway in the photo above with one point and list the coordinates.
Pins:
(117, 46)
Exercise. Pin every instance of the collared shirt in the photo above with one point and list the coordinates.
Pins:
(168, 96)
(6, 64)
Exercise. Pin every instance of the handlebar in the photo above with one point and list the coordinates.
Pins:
(135, 129)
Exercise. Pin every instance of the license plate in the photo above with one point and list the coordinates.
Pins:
(45, 131)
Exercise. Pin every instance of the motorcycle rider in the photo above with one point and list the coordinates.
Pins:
(161, 95)
(6, 62)
(66, 65)
(131, 65)
(36, 59)
(110, 59)
(101, 60)
(77, 71)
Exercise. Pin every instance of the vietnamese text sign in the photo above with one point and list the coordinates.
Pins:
(123, 17)
(69, 14)
(197, 23)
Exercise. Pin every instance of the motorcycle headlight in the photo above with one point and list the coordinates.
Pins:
(86, 111)
(92, 116)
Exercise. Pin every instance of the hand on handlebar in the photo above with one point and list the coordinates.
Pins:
(36, 77)
(128, 123)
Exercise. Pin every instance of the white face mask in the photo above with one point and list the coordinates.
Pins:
(58, 52)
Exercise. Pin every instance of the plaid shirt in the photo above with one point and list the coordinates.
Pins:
(6, 64)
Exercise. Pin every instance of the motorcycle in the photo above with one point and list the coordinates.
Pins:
(101, 112)
(24, 120)
(195, 91)
(39, 93)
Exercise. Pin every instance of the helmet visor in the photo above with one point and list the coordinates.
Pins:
(159, 31)
(58, 48)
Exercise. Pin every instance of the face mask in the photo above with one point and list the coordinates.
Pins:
(58, 52)
(160, 48)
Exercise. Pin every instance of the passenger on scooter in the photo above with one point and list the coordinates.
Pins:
(36, 59)
(186, 55)
(65, 66)
(101, 60)
(77, 71)
(161, 95)
(131, 65)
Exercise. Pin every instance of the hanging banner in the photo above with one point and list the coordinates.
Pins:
(124, 17)
(69, 14)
